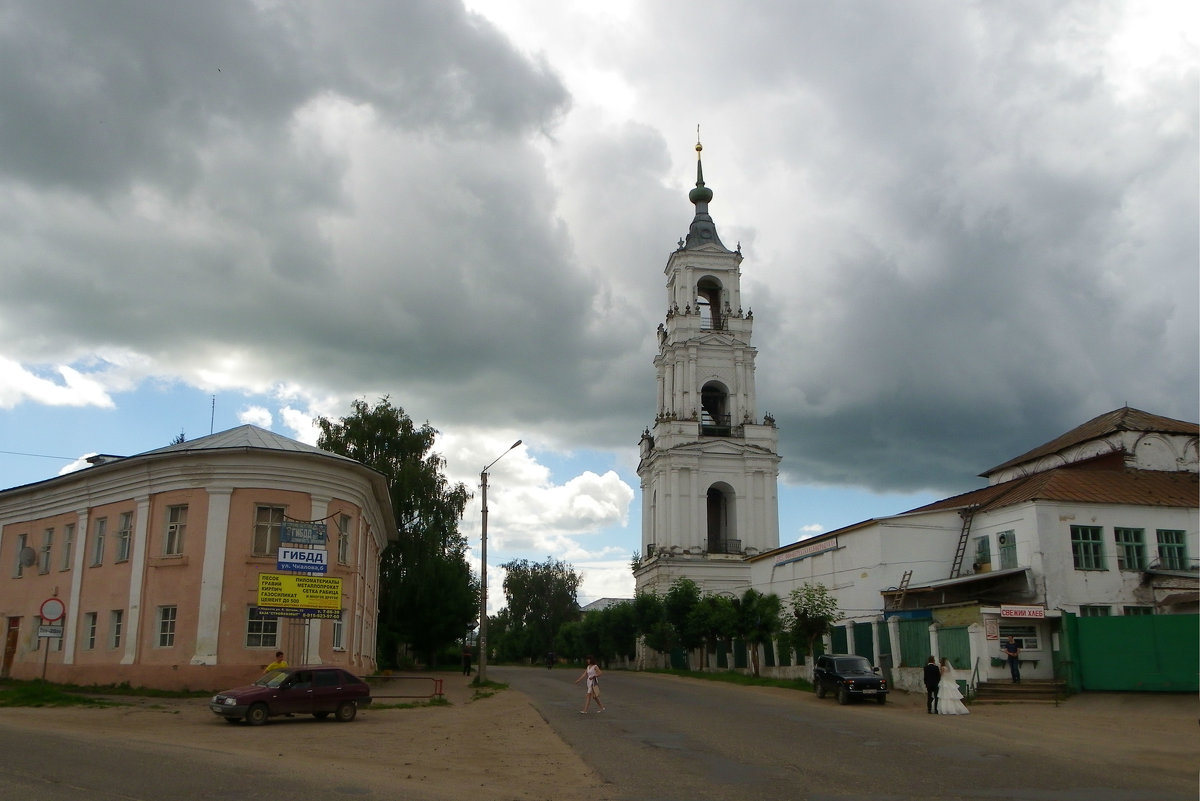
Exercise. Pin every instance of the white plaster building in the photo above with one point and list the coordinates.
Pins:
(156, 560)
(1100, 521)
(709, 466)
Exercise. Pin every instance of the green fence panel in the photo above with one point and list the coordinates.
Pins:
(914, 643)
(954, 643)
(838, 641)
(864, 641)
(739, 654)
(784, 652)
(1156, 653)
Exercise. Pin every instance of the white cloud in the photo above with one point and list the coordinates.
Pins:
(257, 416)
(20, 384)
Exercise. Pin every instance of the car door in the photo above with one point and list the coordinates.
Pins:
(295, 696)
(328, 690)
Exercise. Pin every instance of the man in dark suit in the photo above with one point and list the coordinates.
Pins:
(933, 677)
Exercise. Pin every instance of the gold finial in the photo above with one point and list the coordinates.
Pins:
(699, 146)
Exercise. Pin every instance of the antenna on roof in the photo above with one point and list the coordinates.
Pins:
(212, 417)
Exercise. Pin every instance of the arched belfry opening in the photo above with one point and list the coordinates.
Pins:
(708, 302)
(722, 536)
(714, 410)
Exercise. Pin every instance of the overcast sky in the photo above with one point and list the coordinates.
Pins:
(967, 228)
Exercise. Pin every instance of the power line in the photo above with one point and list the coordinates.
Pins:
(40, 455)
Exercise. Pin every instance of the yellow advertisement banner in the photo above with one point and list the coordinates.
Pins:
(306, 592)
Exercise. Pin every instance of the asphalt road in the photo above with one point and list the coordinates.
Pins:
(663, 738)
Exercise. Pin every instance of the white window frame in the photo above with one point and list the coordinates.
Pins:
(268, 522)
(68, 545)
(262, 631)
(44, 558)
(339, 631)
(168, 616)
(89, 631)
(177, 516)
(100, 531)
(1025, 635)
(124, 536)
(116, 621)
(343, 553)
(22, 544)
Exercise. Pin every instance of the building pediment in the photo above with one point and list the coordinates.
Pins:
(717, 447)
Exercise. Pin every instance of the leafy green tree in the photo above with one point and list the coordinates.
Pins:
(715, 617)
(812, 611)
(650, 621)
(683, 597)
(620, 630)
(758, 620)
(428, 596)
(541, 597)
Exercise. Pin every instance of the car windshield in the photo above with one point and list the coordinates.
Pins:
(272, 678)
(853, 666)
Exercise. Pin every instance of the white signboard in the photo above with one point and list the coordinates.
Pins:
(55, 632)
(1036, 612)
(303, 560)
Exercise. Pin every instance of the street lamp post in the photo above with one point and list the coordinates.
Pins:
(483, 477)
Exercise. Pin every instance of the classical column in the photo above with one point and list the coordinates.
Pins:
(212, 577)
(137, 574)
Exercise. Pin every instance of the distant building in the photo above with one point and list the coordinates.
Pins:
(156, 560)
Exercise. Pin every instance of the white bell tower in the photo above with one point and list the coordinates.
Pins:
(709, 467)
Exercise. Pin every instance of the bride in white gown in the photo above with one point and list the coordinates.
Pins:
(949, 699)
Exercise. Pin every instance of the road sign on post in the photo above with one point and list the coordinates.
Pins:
(53, 609)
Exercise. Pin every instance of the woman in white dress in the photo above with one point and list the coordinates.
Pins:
(949, 699)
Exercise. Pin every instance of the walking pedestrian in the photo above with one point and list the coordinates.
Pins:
(592, 674)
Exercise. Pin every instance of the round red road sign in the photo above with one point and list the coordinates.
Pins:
(53, 609)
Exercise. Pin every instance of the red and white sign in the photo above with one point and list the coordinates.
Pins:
(1036, 612)
(53, 609)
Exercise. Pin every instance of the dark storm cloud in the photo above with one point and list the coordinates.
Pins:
(966, 228)
(975, 238)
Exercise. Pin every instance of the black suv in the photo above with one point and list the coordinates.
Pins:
(850, 677)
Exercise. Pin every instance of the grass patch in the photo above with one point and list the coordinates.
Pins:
(42, 693)
(485, 689)
(15, 692)
(124, 688)
(733, 677)
(410, 704)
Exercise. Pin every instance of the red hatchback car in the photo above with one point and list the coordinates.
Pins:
(316, 691)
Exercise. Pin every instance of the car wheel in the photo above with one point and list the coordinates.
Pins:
(320, 715)
(843, 696)
(820, 688)
(881, 699)
(346, 711)
(257, 715)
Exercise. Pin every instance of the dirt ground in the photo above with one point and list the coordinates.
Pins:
(500, 748)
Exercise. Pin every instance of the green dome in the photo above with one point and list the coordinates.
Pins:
(701, 194)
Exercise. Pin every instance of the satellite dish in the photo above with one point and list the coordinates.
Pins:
(28, 556)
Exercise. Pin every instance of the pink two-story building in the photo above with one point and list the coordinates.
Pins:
(155, 560)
